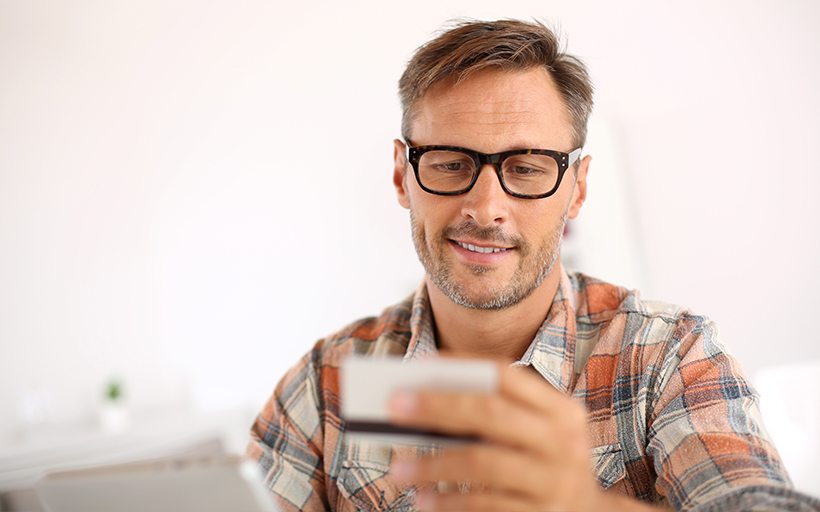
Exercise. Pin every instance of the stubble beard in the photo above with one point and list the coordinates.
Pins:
(535, 264)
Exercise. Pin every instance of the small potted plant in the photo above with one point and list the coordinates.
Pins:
(114, 416)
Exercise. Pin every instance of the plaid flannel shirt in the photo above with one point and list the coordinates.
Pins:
(672, 419)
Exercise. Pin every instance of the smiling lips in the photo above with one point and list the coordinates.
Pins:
(481, 249)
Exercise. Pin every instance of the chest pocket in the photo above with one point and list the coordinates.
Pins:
(364, 484)
(608, 464)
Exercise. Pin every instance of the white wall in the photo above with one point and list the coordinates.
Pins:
(175, 208)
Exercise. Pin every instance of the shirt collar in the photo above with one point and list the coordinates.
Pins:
(422, 338)
(551, 353)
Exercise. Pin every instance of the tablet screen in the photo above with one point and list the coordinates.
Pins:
(198, 485)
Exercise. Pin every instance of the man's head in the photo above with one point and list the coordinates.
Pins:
(492, 87)
(507, 45)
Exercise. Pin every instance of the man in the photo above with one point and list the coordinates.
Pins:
(612, 403)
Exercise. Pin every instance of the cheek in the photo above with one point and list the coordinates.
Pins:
(539, 223)
(530, 220)
(432, 213)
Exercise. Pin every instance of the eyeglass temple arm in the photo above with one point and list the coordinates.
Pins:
(573, 156)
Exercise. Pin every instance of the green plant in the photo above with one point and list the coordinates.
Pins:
(113, 391)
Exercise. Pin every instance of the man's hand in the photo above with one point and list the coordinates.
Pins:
(533, 455)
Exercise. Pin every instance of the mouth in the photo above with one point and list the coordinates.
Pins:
(483, 253)
(481, 249)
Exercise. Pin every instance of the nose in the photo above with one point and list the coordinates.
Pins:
(486, 203)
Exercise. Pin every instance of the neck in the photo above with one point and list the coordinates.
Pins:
(498, 334)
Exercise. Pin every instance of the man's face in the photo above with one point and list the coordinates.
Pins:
(491, 111)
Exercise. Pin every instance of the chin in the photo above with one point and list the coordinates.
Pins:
(483, 296)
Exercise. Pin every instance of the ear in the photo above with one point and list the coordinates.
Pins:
(400, 165)
(579, 193)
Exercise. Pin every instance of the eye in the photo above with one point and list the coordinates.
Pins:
(520, 170)
(446, 163)
(451, 166)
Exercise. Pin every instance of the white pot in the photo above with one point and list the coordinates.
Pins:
(114, 417)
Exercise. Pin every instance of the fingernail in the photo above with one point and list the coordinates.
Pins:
(403, 403)
(402, 469)
(424, 500)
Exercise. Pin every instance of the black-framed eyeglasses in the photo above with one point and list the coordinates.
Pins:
(523, 173)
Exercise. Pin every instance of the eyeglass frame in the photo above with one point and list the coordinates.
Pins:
(564, 161)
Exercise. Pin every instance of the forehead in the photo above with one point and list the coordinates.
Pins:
(494, 110)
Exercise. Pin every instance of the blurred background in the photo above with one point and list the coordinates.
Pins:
(193, 193)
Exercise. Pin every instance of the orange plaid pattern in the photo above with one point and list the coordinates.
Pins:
(672, 419)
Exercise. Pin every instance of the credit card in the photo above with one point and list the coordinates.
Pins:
(367, 383)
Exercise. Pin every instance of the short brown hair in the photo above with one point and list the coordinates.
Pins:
(512, 45)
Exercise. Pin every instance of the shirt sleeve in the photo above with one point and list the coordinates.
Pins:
(706, 435)
(286, 440)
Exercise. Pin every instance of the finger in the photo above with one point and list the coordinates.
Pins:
(503, 470)
(486, 415)
(523, 386)
(566, 416)
(478, 502)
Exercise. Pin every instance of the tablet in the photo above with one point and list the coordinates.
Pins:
(205, 484)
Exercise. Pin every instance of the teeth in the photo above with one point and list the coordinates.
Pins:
(482, 250)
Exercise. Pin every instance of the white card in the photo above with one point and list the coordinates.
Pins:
(367, 383)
